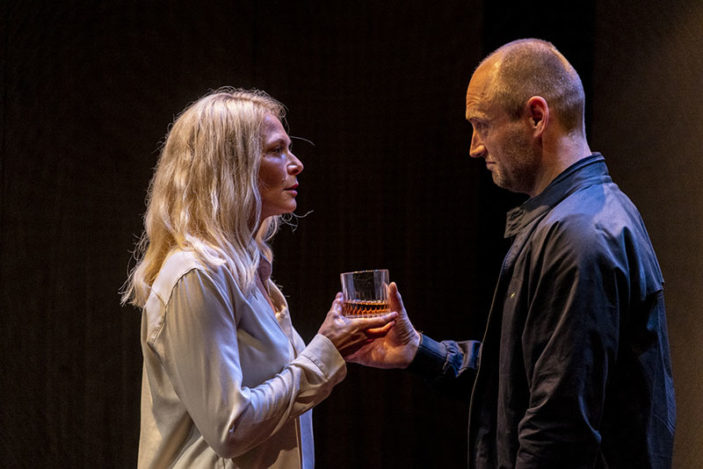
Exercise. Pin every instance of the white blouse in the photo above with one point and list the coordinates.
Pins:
(226, 382)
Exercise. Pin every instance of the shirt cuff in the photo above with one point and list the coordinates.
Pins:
(325, 355)
(430, 357)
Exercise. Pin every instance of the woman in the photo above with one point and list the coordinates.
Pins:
(227, 381)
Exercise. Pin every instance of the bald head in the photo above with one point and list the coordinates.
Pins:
(532, 67)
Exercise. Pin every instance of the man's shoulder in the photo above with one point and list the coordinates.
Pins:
(596, 209)
(599, 220)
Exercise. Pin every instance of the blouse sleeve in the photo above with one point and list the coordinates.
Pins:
(199, 350)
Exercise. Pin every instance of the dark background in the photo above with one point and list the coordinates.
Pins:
(88, 92)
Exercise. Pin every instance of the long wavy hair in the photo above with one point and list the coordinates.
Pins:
(204, 194)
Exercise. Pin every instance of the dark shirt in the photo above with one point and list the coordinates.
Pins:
(574, 369)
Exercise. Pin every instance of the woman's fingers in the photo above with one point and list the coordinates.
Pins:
(376, 321)
(337, 303)
(375, 332)
(376, 326)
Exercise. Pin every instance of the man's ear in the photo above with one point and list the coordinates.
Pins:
(538, 113)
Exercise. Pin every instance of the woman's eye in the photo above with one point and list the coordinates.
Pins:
(278, 150)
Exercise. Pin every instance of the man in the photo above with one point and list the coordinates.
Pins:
(573, 370)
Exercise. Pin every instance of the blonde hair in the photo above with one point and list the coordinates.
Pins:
(204, 194)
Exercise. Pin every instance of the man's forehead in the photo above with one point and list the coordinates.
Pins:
(477, 93)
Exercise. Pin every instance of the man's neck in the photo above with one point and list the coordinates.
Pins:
(557, 156)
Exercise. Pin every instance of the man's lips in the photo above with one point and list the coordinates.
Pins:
(293, 188)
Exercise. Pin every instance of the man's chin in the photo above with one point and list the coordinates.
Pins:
(498, 180)
(503, 184)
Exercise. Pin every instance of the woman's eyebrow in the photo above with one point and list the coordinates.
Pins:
(277, 139)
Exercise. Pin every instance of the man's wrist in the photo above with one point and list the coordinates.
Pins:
(429, 356)
(413, 347)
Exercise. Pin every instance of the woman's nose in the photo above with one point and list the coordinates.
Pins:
(295, 166)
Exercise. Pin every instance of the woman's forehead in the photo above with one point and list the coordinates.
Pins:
(272, 129)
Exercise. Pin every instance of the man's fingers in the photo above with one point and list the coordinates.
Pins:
(395, 300)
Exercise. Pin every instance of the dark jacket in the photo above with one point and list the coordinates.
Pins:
(574, 368)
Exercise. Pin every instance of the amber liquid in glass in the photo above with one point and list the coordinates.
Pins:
(365, 308)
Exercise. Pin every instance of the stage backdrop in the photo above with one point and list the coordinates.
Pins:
(378, 88)
(648, 121)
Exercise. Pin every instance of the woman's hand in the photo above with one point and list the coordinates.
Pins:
(350, 334)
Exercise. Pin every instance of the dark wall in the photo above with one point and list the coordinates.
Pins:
(88, 92)
(648, 121)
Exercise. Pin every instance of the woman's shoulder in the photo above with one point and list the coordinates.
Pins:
(178, 263)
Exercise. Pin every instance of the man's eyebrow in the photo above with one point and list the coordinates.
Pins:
(476, 114)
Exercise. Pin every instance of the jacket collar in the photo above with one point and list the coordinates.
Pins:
(584, 172)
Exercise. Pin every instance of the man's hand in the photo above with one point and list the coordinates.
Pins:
(397, 348)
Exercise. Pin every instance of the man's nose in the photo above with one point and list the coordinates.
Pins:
(477, 149)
